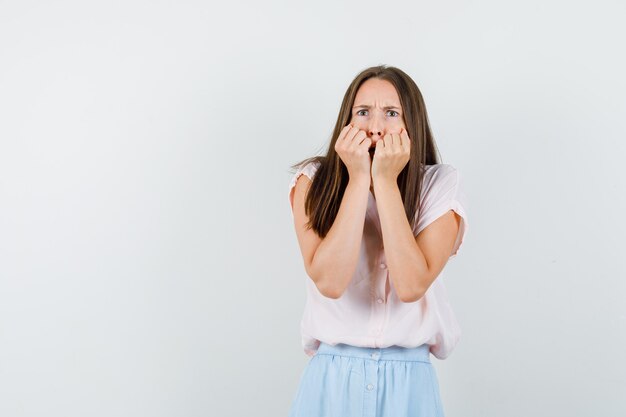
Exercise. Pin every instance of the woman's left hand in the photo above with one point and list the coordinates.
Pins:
(392, 153)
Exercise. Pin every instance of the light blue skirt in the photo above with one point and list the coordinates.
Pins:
(351, 381)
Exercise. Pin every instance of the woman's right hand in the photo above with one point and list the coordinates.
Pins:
(352, 146)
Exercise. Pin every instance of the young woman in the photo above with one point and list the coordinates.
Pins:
(377, 219)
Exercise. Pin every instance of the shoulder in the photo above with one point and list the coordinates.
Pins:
(308, 168)
(442, 191)
(438, 170)
(440, 175)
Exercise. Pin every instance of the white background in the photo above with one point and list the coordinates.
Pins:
(148, 260)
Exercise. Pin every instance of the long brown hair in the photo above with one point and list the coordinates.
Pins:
(331, 179)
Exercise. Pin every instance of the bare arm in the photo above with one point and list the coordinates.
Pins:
(331, 262)
(414, 262)
(336, 257)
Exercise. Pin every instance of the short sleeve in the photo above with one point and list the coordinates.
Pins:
(442, 191)
(309, 170)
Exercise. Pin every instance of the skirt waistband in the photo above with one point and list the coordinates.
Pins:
(417, 354)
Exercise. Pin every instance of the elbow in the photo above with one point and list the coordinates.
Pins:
(334, 294)
(411, 297)
(330, 291)
(327, 288)
(415, 289)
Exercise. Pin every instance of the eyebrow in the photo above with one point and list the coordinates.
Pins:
(363, 106)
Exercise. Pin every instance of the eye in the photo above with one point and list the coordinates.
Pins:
(393, 111)
(358, 113)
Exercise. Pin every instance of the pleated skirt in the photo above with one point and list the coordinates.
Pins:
(352, 381)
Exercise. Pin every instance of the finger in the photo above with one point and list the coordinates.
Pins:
(358, 137)
(395, 140)
(400, 142)
(406, 141)
(344, 131)
(379, 149)
(353, 131)
(365, 141)
(351, 134)
(366, 144)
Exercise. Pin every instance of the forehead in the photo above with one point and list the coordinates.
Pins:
(377, 90)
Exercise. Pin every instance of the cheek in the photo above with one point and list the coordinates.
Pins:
(359, 124)
(397, 126)
(399, 122)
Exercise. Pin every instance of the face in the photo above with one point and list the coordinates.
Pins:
(377, 110)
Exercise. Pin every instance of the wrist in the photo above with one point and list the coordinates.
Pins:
(384, 182)
(360, 181)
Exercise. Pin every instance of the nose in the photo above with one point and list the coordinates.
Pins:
(375, 128)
